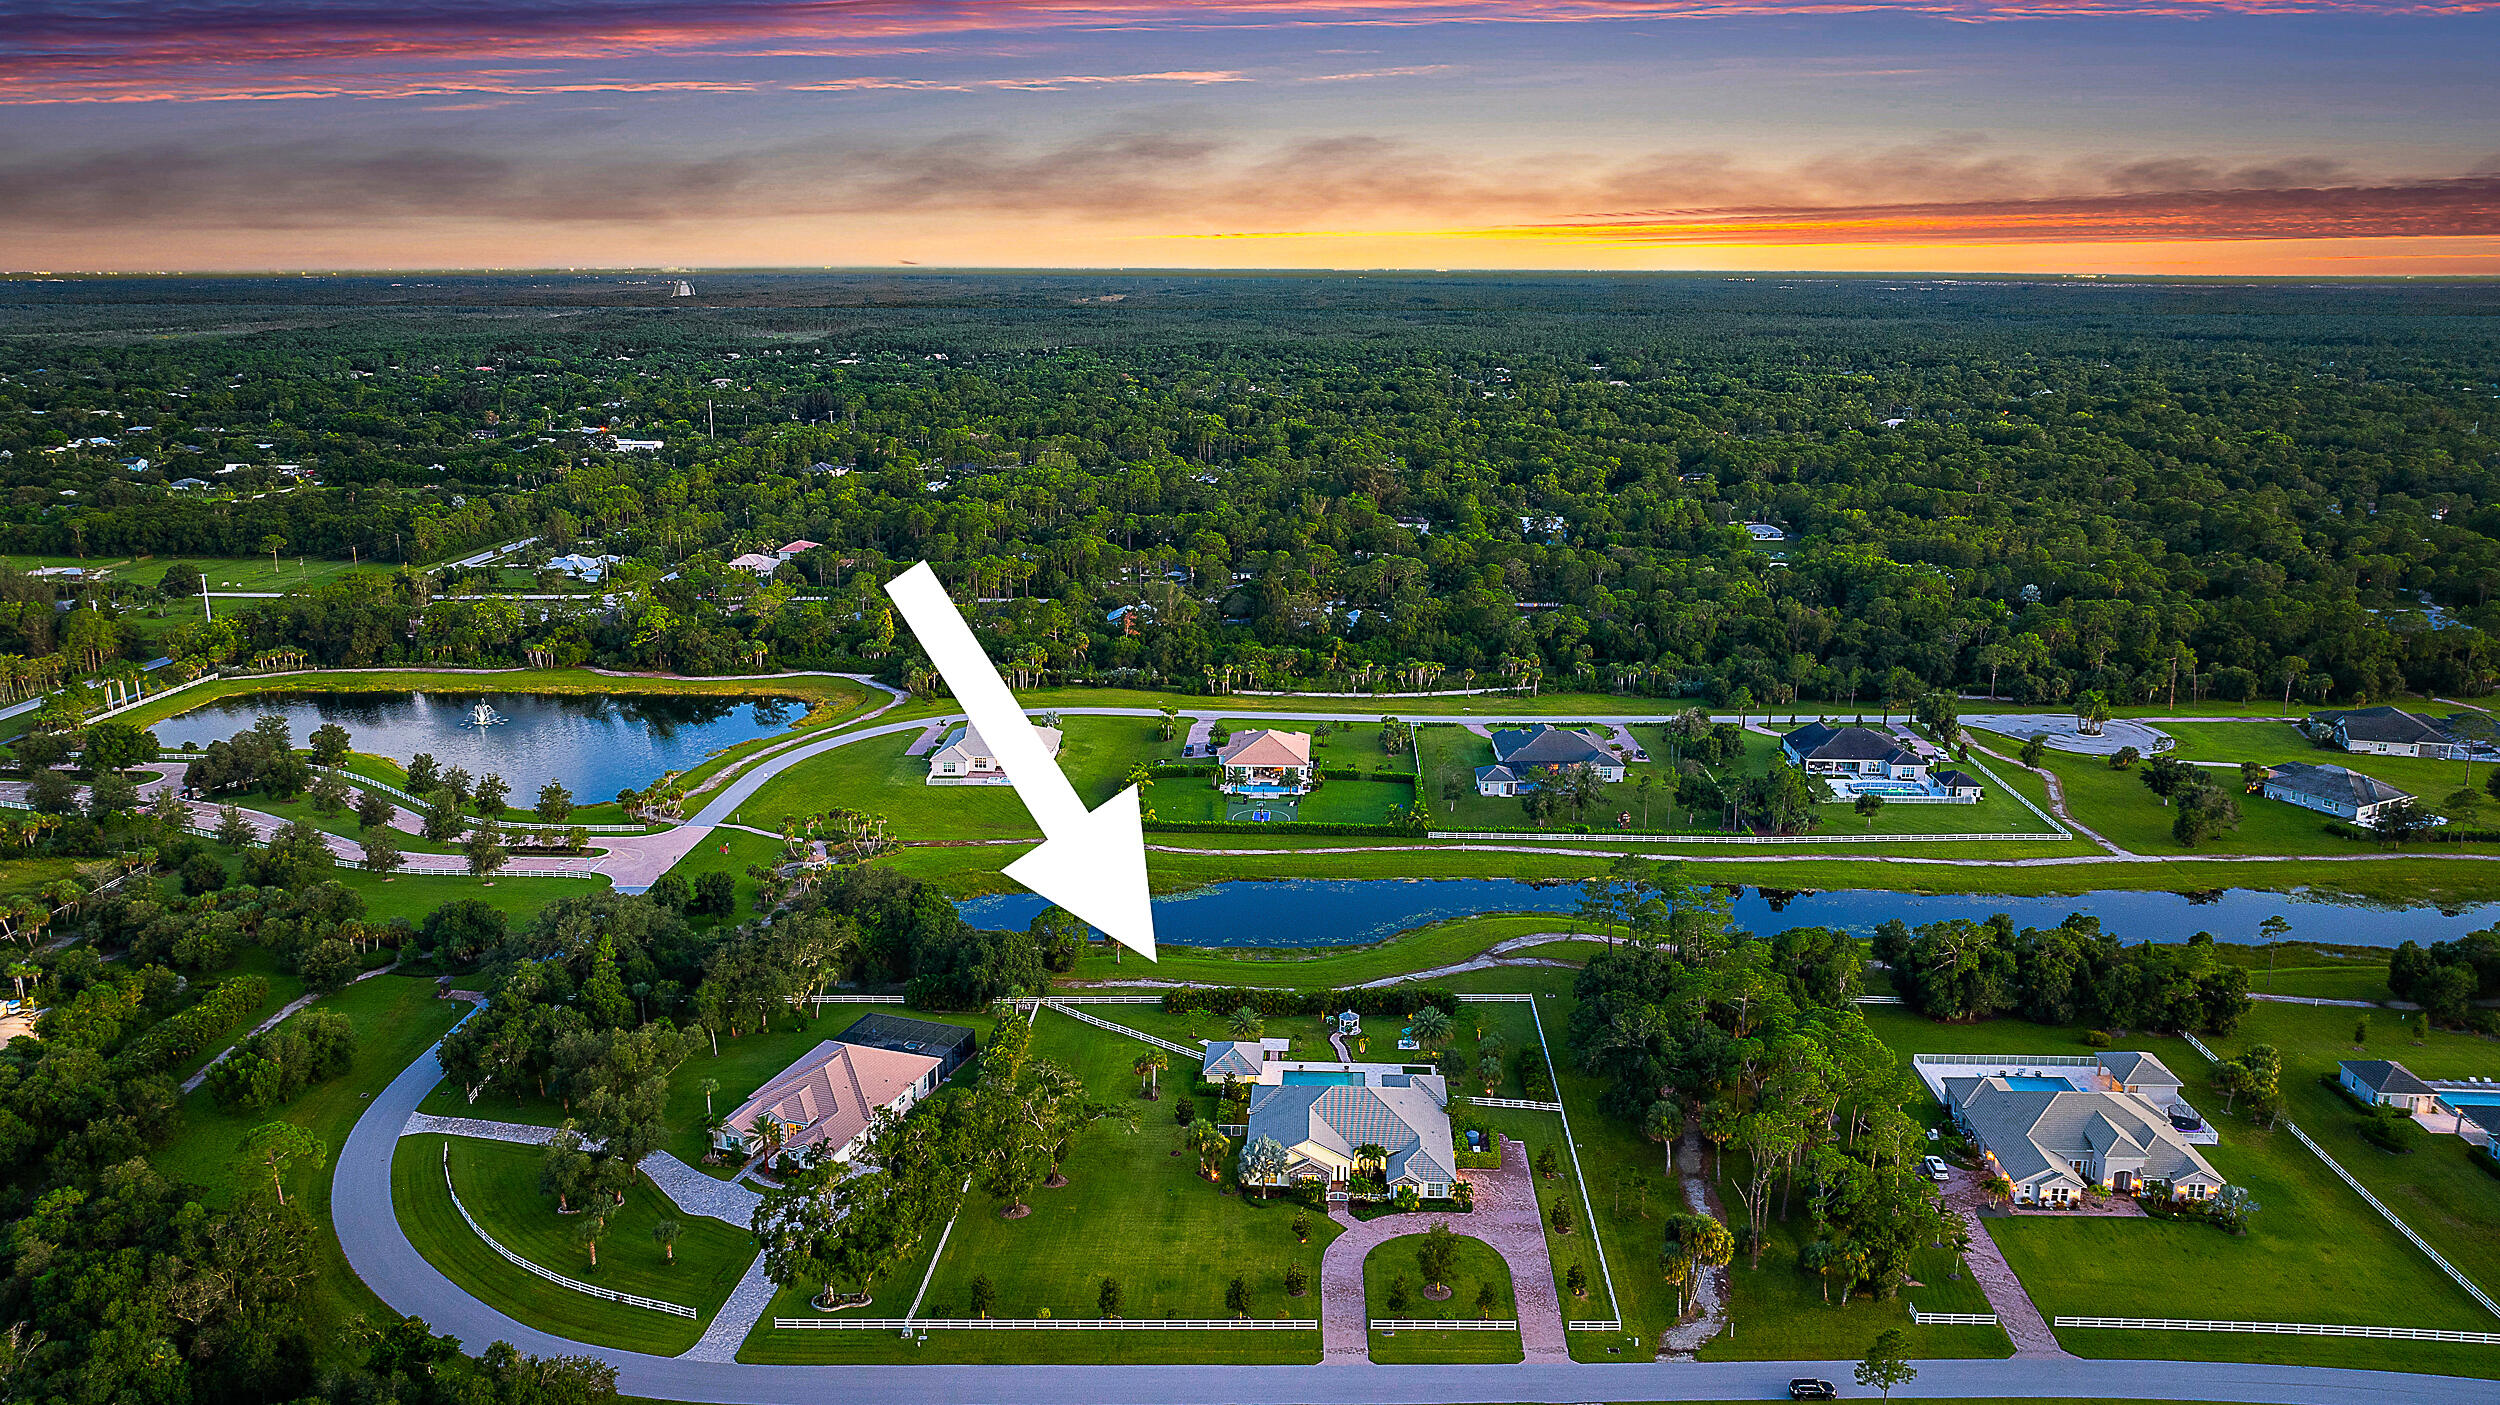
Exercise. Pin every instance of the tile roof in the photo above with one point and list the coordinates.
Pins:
(1265, 748)
(2032, 1132)
(2136, 1066)
(832, 1091)
(1408, 1122)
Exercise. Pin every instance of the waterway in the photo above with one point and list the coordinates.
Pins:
(1348, 912)
(596, 745)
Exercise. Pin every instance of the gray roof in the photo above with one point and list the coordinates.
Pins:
(2483, 1115)
(2336, 783)
(1544, 745)
(2034, 1132)
(1233, 1058)
(1817, 742)
(1401, 1115)
(1496, 773)
(2135, 1066)
(1955, 780)
(2385, 724)
(2385, 1076)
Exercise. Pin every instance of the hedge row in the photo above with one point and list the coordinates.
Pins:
(1395, 831)
(188, 1032)
(1398, 1001)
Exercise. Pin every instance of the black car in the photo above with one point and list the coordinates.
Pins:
(1808, 1388)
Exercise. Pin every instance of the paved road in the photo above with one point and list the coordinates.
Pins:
(381, 1254)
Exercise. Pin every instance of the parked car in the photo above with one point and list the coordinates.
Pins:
(1934, 1169)
(1808, 1388)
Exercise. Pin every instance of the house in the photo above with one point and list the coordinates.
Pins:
(643, 446)
(949, 1044)
(2053, 1140)
(1322, 1125)
(2333, 790)
(1239, 1060)
(1520, 752)
(188, 485)
(965, 755)
(1764, 532)
(583, 568)
(2478, 1123)
(760, 564)
(1857, 753)
(2387, 731)
(829, 1099)
(791, 549)
(1265, 763)
(2142, 1074)
(1956, 785)
(2385, 1083)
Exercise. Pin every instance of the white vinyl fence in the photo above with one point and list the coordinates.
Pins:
(549, 1274)
(1952, 1319)
(2287, 1329)
(1047, 1324)
(1607, 1325)
(1450, 1324)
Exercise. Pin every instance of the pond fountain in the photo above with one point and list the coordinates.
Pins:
(595, 745)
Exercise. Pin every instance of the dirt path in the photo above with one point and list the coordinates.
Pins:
(2057, 800)
(1709, 1296)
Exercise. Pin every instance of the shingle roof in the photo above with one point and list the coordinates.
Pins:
(1408, 1122)
(967, 739)
(1953, 780)
(2136, 1066)
(1817, 742)
(832, 1091)
(2336, 783)
(2385, 724)
(1495, 774)
(1546, 745)
(1266, 749)
(2384, 1076)
(2035, 1131)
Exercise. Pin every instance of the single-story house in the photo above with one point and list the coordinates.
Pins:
(1238, 1060)
(2387, 731)
(1764, 532)
(830, 1098)
(188, 485)
(2053, 1142)
(1265, 763)
(757, 562)
(2333, 790)
(1322, 1125)
(583, 568)
(1860, 753)
(639, 446)
(790, 549)
(1958, 785)
(1520, 752)
(949, 1044)
(2386, 1084)
(965, 755)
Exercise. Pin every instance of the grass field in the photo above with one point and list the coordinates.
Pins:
(1478, 1266)
(223, 572)
(498, 1182)
(396, 1019)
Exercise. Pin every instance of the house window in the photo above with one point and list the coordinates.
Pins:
(1435, 1190)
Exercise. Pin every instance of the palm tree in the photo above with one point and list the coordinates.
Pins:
(1371, 1155)
(1210, 1147)
(1244, 1023)
(1147, 1066)
(21, 972)
(1431, 1025)
(665, 1232)
(710, 1086)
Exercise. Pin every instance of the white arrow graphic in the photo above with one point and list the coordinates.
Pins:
(1094, 865)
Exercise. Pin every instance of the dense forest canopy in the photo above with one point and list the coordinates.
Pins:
(2035, 489)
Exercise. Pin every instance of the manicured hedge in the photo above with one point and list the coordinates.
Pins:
(1398, 1001)
(180, 1036)
(2444, 834)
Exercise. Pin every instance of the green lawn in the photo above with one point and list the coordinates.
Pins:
(1779, 1311)
(498, 1183)
(1477, 1266)
(1339, 801)
(743, 1065)
(2437, 1190)
(284, 986)
(1334, 968)
(397, 1018)
(223, 572)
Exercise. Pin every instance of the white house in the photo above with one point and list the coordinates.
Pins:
(1519, 753)
(830, 1098)
(965, 756)
(2333, 790)
(1265, 764)
(756, 562)
(2386, 1084)
(583, 568)
(1858, 753)
(2388, 731)
(2052, 1140)
(643, 446)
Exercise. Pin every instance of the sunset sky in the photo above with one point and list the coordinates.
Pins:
(2161, 136)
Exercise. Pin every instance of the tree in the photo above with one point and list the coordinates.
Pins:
(53, 793)
(2124, 758)
(374, 809)
(1371, 1156)
(382, 853)
(276, 1146)
(1436, 1254)
(1887, 1363)
(330, 743)
(1693, 1242)
(492, 796)
(2233, 1207)
(273, 544)
(665, 1234)
(329, 794)
(115, 746)
(1297, 1279)
(425, 775)
(1209, 1145)
(2034, 751)
(984, 1295)
(1431, 1024)
(1244, 1022)
(2205, 812)
(1147, 1066)
(1108, 1300)
(1263, 1162)
(1237, 1298)
(2395, 823)
(485, 851)
(1869, 805)
(588, 1231)
(555, 803)
(2092, 713)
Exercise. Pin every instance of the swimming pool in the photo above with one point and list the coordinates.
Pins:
(1886, 788)
(1317, 1077)
(2476, 1097)
(2030, 1084)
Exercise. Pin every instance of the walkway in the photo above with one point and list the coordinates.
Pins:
(689, 1189)
(2007, 1297)
(379, 1251)
(730, 1327)
(1505, 1217)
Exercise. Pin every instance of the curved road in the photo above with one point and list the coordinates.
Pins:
(380, 1253)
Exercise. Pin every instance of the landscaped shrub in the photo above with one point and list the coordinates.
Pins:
(2398, 1133)
(2096, 1039)
(1536, 1079)
(270, 1070)
(187, 1033)
(1396, 1002)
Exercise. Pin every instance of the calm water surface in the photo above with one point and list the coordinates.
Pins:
(1344, 912)
(597, 746)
